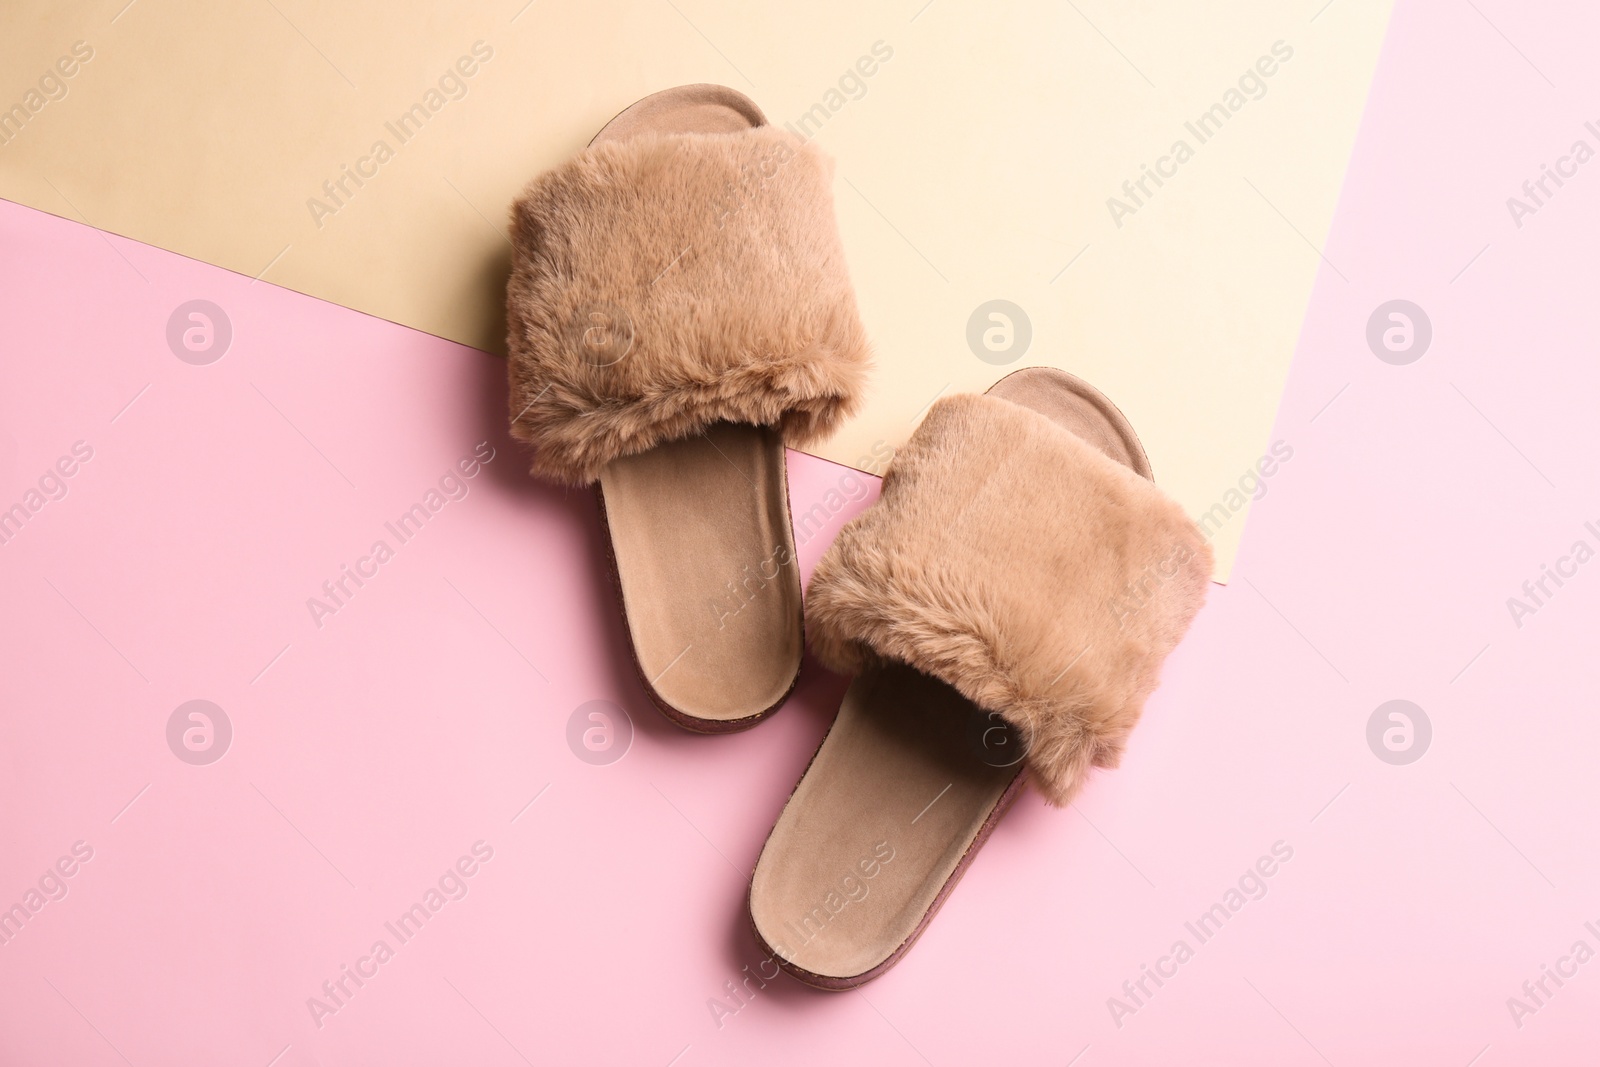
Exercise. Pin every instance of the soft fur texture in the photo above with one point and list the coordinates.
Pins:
(722, 253)
(1019, 564)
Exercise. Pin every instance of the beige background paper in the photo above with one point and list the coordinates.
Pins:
(976, 162)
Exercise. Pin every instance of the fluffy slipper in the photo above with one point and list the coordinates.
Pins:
(678, 310)
(1005, 607)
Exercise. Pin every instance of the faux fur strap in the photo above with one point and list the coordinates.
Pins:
(1014, 561)
(664, 283)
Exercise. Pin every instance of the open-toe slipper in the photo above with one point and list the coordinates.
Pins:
(678, 311)
(1005, 607)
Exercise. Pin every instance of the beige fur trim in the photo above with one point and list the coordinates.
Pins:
(708, 268)
(1009, 558)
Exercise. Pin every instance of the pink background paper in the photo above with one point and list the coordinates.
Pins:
(430, 713)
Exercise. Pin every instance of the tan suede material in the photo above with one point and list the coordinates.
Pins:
(709, 269)
(1019, 564)
(870, 842)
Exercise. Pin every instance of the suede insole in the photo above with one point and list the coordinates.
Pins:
(700, 527)
(705, 555)
(907, 783)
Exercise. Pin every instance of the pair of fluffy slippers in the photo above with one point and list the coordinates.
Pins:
(680, 310)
